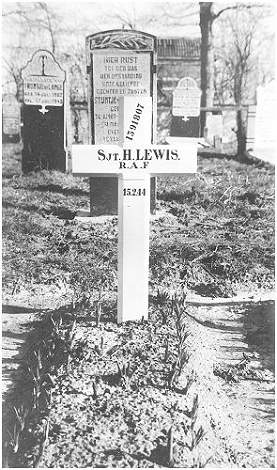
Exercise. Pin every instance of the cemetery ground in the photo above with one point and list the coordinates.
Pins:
(193, 385)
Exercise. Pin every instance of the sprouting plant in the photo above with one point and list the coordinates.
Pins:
(170, 447)
(196, 435)
(100, 348)
(125, 372)
(98, 306)
(198, 462)
(190, 380)
(14, 438)
(69, 340)
(56, 325)
(166, 350)
(47, 394)
(21, 414)
(162, 302)
(43, 442)
(36, 379)
(95, 390)
(194, 410)
(48, 350)
(177, 306)
(37, 354)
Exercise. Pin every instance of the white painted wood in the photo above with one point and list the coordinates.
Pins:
(134, 162)
(135, 121)
(112, 160)
(133, 247)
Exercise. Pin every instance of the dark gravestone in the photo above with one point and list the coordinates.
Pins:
(120, 63)
(43, 114)
(186, 109)
(10, 119)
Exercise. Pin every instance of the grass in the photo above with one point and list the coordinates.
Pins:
(217, 236)
(98, 394)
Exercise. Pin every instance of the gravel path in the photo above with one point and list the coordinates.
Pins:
(230, 333)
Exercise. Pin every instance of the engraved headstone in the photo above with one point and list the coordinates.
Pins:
(186, 109)
(10, 118)
(120, 63)
(43, 114)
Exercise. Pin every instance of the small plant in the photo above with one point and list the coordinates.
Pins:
(14, 438)
(170, 447)
(125, 372)
(177, 308)
(37, 355)
(196, 434)
(100, 348)
(166, 350)
(21, 414)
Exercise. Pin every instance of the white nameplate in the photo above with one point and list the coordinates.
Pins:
(111, 160)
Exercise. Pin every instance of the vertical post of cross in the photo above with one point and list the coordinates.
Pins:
(133, 246)
(135, 118)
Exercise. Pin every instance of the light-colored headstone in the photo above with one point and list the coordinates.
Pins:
(116, 73)
(11, 115)
(265, 123)
(186, 98)
(121, 63)
(214, 125)
(43, 81)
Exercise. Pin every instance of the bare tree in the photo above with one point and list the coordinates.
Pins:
(209, 13)
(238, 44)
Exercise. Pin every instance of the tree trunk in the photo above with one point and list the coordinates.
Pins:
(207, 60)
(241, 135)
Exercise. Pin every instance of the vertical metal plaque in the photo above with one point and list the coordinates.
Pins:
(120, 63)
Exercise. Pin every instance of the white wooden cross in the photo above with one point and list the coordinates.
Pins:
(133, 162)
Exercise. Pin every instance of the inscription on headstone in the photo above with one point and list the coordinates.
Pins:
(186, 109)
(121, 63)
(44, 124)
(10, 118)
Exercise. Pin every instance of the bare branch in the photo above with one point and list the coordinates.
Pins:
(236, 7)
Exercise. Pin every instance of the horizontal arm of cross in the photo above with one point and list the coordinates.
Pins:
(154, 160)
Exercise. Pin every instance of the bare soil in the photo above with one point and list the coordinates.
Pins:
(116, 403)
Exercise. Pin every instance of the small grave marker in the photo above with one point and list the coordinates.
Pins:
(44, 123)
(11, 118)
(186, 109)
(265, 123)
(120, 63)
(133, 164)
(214, 125)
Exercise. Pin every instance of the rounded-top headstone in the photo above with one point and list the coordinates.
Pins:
(43, 81)
(186, 98)
(43, 114)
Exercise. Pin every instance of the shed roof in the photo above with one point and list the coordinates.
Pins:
(179, 47)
